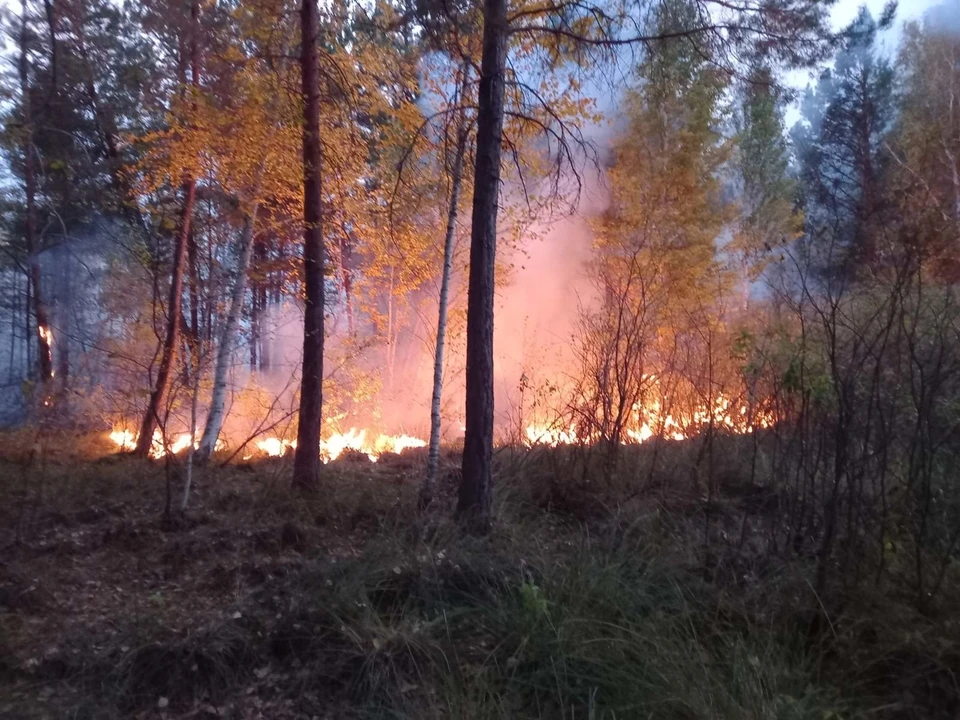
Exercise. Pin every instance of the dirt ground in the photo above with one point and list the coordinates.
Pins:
(92, 579)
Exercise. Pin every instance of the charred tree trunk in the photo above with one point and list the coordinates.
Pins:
(168, 355)
(44, 334)
(306, 463)
(456, 177)
(475, 504)
(227, 342)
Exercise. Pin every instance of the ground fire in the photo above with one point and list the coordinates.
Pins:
(358, 440)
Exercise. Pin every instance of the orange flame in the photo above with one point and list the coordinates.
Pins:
(330, 449)
(338, 443)
(649, 420)
(126, 440)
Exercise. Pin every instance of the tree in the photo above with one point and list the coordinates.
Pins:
(793, 32)
(475, 502)
(306, 467)
(841, 146)
(168, 355)
(767, 217)
(924, 144)
(461, 133)
(44, 332)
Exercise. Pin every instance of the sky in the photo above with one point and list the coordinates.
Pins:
(843, 13)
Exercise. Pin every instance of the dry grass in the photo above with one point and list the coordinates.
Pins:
(590, 600)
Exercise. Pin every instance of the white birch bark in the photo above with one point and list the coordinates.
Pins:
(456, 178)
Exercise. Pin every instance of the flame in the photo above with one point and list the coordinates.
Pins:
(126, 440)
(397, 443)
(46, 334)
(649, 420)
(330, 449)
(338, 443)
(274, 447)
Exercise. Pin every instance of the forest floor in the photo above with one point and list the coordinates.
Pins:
(260, 603)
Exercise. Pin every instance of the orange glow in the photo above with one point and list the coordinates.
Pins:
(647, 421)
(330, 449)
(338, 443)
(126, 440)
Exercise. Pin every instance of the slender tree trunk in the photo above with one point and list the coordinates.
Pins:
(27, 331)
(254, 327)
(44, 333)
(168, 355)
(306, 463)
(194, 288)
(475, 504)
(227, 342)
(61, 311)
(456, 177)
(14, 319)
(188, 472)
(266, 335)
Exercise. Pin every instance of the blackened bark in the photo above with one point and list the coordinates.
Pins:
(171, 342)
(475, 504)
(306, 463)
(44, 333)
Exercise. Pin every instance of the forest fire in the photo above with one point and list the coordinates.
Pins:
(46, 334)
(331, 448)
(334, 446)
(647, 421)
(126, 441)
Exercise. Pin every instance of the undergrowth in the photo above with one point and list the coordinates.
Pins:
(597, 606)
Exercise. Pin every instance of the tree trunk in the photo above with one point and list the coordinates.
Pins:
(191, 454)
(44, 334)
(227, 341)
(174, 305)
(306, 463)
(456, 177)
(193, 290)
(168, 356)
(475, 504)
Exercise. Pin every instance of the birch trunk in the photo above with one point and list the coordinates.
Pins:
(227, 342)
(433, 454)
(188, 473)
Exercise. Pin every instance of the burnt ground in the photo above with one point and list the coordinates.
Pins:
(260, 603)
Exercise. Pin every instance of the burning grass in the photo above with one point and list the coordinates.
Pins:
(589, 600)
(332, 447)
